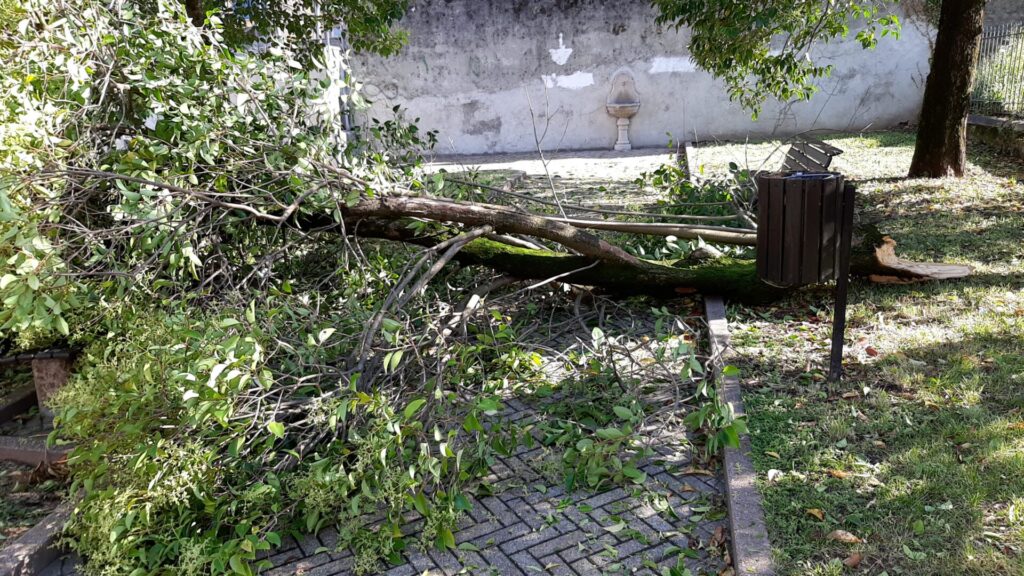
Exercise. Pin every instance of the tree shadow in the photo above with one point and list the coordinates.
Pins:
(923, 469)
(995, 162)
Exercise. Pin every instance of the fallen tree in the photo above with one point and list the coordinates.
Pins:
(251, 364)
(585, 258)
(872, 257)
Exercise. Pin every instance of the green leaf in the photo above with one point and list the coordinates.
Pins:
(610, 433)
(413, 408)
(419, 501)
(622, 412)
(447, 537)
(276, 428)
(462, 503)
(615, 528)
(62, 325)
(239, 565)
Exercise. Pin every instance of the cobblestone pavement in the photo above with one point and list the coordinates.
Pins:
(532, 526)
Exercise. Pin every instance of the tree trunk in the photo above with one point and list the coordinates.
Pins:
(195, 11)
(941, 148)
(873, 257)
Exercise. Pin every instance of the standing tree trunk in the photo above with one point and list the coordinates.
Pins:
(941, 148)
(194, 9)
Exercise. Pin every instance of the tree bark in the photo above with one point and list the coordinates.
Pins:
(873, 257)
(941, 148)
(195, 11)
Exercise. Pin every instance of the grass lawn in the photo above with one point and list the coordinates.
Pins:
(919, 452)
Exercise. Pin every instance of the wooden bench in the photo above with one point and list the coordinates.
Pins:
(807, 155)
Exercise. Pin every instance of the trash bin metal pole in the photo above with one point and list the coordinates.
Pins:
(835, 371)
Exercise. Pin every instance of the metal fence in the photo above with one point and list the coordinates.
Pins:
(999, 81)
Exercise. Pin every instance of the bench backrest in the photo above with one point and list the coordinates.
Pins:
(809, 156)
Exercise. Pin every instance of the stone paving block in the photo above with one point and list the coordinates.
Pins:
(555, 566)
(502, 535)
(341, 566)
(445, 560)
(585, 567)
(553, 545)
(301, 566)
(421, 561)
(401, 570)
(475, 531)
(501, 562)
(310, 544)
(604, 498)
(286, 557)
(525, 541)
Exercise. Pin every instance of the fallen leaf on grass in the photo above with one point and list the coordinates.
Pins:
(838, 473)
(817, 513)
(870, 350)
(853, 560)
(844, 537)
(772, 454)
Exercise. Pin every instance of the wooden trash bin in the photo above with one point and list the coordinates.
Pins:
(804, 232)
(799, 227)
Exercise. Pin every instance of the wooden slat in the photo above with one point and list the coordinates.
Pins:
(839, 224)
(764, 217)
(809, 156)
(817, 156)
(775, 194)
(791, 237)
(811, 232)
(797, 161)
(829, 219)
(825, 148)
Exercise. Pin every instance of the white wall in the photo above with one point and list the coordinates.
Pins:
(471, 64)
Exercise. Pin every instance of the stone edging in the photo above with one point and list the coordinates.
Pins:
(35, 549)
(751, 550)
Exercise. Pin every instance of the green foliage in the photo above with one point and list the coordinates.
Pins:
(367, 25)
(999, 81)
(595, 425)
(173, 205)
(763, 49)
(695, 195)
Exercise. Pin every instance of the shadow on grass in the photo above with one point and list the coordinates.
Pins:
(924, 468)
(994, 162)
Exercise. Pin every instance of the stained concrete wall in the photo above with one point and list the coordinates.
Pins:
(473, 67)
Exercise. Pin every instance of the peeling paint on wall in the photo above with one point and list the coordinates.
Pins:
(574, 81)
(561, 54)
(670, 64)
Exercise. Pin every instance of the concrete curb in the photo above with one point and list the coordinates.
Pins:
(751, 550)
(35, 549)
(20, 401)
(32, 451)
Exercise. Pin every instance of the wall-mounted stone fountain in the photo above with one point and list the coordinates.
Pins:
(622, 104)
